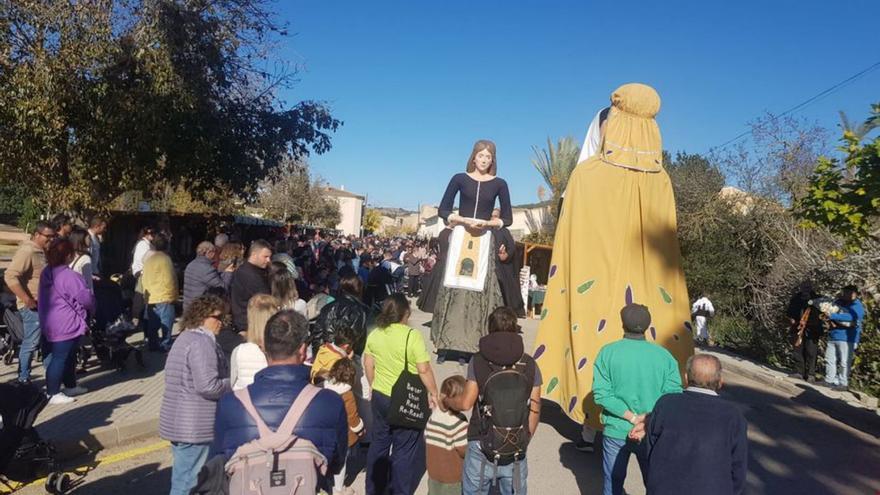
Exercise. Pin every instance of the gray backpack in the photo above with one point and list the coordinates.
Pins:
(278, 462)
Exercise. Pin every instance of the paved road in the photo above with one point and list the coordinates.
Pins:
(798, 445)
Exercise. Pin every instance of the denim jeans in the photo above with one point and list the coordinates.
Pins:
(188, 459)
(837, 360)
(31, 322)
(615, 459)
(396, 458)
(477, 468)
(59, 360)
(159, 317)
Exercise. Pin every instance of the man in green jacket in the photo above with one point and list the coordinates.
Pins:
(628, 377)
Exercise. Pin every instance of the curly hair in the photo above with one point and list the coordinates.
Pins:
(200, 309)
(343, 371)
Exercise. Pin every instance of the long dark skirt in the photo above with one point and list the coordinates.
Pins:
(431, 282)
(461, 316)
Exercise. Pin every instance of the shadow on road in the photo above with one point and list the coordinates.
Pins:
(143, 480)
(795, 449)
(82, 419)
(586, 467)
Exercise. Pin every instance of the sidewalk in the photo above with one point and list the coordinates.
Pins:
(783, 380)
(120, 407)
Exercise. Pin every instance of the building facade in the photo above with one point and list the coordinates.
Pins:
(351, 210)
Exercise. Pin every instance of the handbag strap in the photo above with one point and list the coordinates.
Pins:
(406, 352)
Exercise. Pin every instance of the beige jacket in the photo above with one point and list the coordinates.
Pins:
(25, 268)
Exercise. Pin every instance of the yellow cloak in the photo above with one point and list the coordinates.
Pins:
(615, 243)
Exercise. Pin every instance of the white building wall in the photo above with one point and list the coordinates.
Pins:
(350, 214)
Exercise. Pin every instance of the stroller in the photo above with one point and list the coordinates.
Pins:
(11, 329)
(109, 330)
(24, 456)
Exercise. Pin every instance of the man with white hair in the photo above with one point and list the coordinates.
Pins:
(696, 441)
(221, 240)
(200, 275)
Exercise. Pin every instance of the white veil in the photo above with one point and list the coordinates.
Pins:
(593, 141)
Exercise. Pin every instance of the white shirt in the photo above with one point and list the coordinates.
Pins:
(140, 251)
(703, 303)
(247, 360)
(701, 390)
(83, 265)
(299, 306)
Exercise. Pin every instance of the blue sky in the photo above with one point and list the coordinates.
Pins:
(417, 82)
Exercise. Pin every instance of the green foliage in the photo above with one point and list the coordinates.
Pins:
(555, 164)
(540, 237)
(372, 220)
(845, 198)
(866, 365)
(108, 97)
(291, 194)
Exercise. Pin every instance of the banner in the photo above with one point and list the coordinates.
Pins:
(467, 260)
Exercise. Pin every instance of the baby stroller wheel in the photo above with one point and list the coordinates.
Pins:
(58, 483)
(8, 358)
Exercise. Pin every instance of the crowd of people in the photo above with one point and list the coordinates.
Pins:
(326, 321)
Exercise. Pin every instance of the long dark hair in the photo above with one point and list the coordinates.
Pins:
(80, 240)
(394, 310)
(282, 283)
(352, 285)
(58, 252)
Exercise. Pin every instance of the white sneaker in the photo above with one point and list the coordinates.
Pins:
(73, 392)
(59, 399)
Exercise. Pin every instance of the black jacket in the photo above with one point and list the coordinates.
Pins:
(247, 281)
(697, 443)
(346, 311)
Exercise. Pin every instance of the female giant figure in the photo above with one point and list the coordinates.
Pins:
(460, 314)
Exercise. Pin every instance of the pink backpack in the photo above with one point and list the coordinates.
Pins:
(278, 462)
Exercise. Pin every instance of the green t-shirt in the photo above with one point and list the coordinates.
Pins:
(386, 345)
(631, 375)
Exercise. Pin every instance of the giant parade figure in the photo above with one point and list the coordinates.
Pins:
(615, 243)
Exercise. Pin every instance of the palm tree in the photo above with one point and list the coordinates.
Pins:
(555, 164)
(859, 130)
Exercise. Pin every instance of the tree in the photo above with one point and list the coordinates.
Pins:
(555, 164)
(845, 197)
(777, 160)
(372, 220)
(108, 96)
(290, 194)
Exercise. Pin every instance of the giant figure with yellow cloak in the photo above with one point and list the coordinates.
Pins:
(615, 243)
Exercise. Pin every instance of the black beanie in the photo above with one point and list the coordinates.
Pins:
(635, 317)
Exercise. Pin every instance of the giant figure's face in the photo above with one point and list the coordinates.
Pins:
(483, 161)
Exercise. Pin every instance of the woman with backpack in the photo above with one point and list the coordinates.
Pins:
(396, 457)
(504, 390)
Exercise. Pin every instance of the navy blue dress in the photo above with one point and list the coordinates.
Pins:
(460, 315)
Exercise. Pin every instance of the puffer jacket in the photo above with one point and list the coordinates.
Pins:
(200, 276)
(194, 381)
(346, 311)
(324, 422)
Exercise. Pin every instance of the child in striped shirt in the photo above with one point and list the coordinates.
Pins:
(446, 442)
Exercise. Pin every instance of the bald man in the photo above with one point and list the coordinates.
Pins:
(200, 275)
(696, 441)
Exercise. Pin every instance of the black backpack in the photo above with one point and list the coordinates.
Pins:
(503, 408)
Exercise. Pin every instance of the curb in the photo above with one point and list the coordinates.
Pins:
(106, 437)
(733, 364)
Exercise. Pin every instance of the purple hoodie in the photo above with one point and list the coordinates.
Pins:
(64, 302)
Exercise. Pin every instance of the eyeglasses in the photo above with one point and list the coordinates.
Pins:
(220, 318)
(48, 236)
